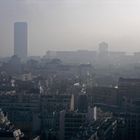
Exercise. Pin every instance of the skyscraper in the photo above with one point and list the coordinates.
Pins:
(20, 40)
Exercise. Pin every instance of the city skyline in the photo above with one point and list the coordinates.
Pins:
(71, 25)
(69, 70)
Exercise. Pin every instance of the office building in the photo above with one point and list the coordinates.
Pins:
(70, 123)
(129, 102)
(20, 40)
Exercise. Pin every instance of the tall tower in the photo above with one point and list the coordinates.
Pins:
(103, 48)
(20, 40)
(103, 54)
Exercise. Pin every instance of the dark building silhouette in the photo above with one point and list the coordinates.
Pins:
(20, 39)
(70, 123)
(82, 103)
(129, 101)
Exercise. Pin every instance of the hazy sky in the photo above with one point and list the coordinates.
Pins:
(71, 24)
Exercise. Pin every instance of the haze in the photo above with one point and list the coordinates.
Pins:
(71, 24)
